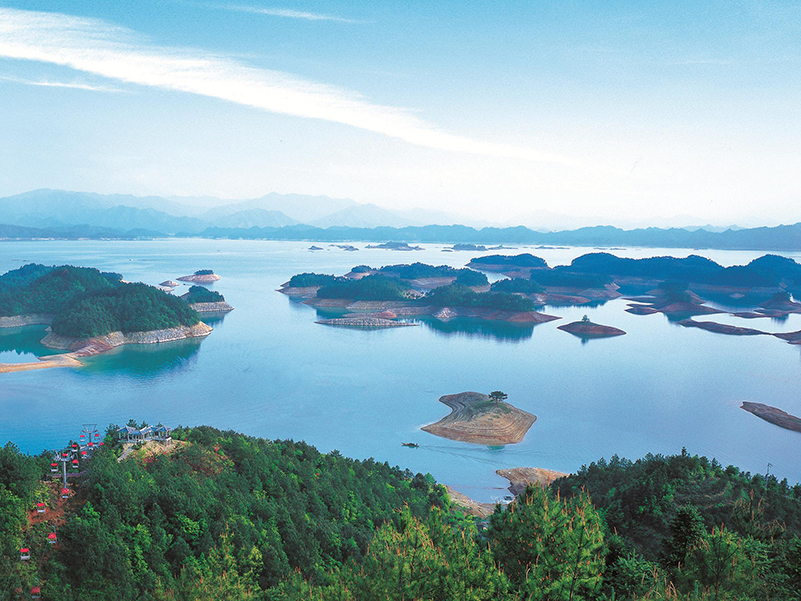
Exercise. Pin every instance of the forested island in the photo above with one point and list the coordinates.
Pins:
(221, 515)
(203, 300)
(763, 276)
(90, 311)
(416, 289)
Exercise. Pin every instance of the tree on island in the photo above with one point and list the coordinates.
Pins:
(585, 319)
(498, 396)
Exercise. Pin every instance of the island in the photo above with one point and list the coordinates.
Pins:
(90, 312)
(774, 415)
(480, 419)
(587, 329)
(442, 292)
(395, 246)
(754, 283)
(203, 300)
(202, 276)
(468, 247)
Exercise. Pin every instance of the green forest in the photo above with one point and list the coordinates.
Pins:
(127, 308)
(86, 302)
(226, 516)
(40, 289)
(201, 294)
(599, 269)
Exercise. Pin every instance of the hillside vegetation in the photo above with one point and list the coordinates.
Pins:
(86, 302)
(229, 516)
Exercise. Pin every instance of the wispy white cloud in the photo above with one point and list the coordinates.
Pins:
(284, 12)
(96, 47)
(75, 85)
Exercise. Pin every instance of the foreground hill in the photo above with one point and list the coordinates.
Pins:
(226, 516)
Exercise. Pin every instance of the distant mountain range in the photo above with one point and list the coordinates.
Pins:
(69, 215)
(59, 209)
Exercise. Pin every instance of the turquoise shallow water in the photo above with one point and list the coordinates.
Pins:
(269, 370)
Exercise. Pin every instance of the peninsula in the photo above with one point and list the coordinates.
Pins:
(479, 419)
(90, 312)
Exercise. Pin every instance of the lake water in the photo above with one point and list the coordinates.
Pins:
(268, 370)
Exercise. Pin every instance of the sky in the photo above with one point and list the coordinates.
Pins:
(554, 113)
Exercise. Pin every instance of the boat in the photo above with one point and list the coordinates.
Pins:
(412, 445)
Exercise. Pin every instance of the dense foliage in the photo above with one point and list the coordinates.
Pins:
(458, 295)
(638, 498)
(362, 269)
(372, 287)
(767, 271)
(419, 270)
(126, 308)
(526, 260)
(204, 272)
(39, 289)
(303, 280)
(233, 517)
(201, 294)
(20, 488)
(413, 559)
(512, 285)
(468, 277)
(255, 509)
(562, 277)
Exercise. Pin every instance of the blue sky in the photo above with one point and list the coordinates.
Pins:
(574, 112)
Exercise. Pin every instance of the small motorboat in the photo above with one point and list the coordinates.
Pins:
(412, 445)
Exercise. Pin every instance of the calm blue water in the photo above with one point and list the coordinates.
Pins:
(269, 370)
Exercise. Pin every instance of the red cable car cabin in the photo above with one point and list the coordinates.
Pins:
(25, 554)
(52, 538)
(40, 507)
(36, 593)
(65, 492)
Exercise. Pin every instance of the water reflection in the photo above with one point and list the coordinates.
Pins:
(144, 360)
(479, 328)
(24, 340)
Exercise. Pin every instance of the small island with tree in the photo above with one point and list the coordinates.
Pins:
(587, 329)
(482, 419)
(201, 276)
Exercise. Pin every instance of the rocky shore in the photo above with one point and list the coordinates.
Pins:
(364, 322)
(477, 419)
(774, 415)
(16, 321)
(65, 360)
(85, 347)
(520, 477)
(218, 307)
(202, 278)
